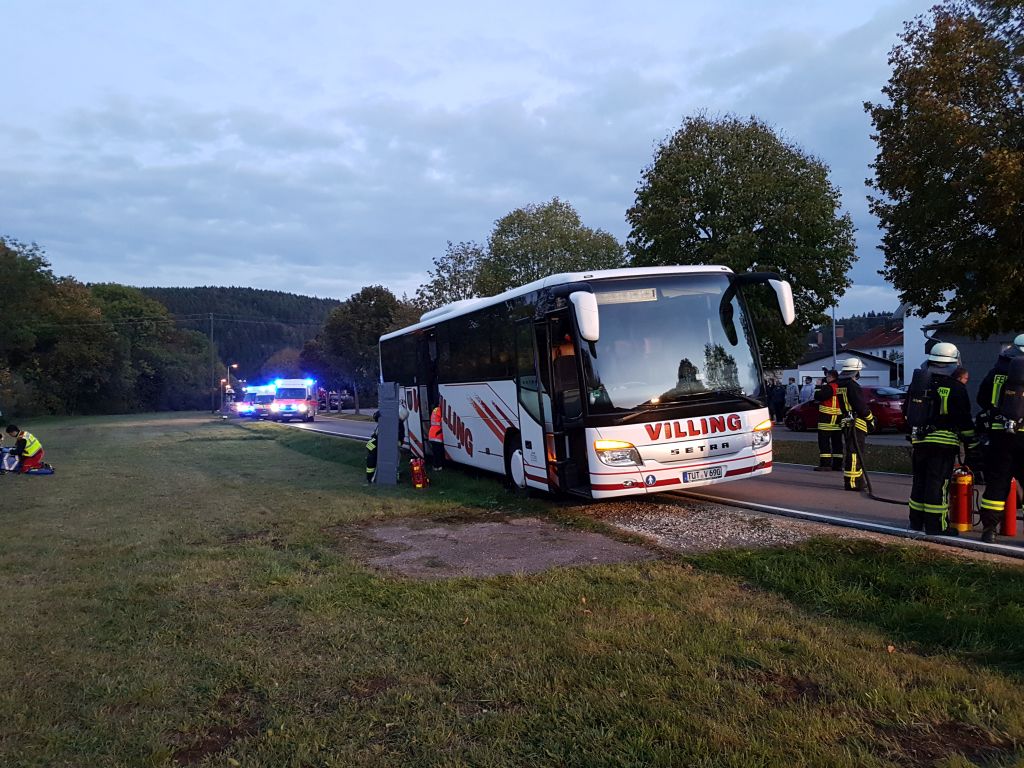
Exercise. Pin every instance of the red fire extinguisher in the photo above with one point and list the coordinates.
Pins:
(961, 499)
(419, 473)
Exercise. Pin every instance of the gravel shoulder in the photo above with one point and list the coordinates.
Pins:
(690, 527)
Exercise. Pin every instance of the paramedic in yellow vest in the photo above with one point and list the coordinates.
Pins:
(28, 451)
(436, 439)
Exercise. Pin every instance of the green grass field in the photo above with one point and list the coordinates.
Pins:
(880, 458)
(177, 594)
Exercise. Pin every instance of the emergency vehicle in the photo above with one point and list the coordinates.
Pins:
(256, 401)
(598, 384)
(246, 406)
(294, 399)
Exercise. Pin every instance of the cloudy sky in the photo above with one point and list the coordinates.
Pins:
(318, 147)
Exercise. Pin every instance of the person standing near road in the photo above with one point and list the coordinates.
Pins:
(830, 431)
(436, 439)
(945, 410)
(792, 394)
(857, 421)
(807, 390)
(1004, 453)
(778, 401)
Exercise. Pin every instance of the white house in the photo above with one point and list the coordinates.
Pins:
(877, 371)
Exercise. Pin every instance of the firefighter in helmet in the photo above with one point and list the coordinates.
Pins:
(998, 395)
(830, 431)
(941, 424)
(857, 420)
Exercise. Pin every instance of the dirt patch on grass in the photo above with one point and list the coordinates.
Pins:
(361, 690)
(926, 745)
(236, 715)
(429, 549)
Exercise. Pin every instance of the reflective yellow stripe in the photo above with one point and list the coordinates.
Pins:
(995, 506)
(997, 387)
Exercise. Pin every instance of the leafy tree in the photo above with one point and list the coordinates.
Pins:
(732, 192)
(159, 366)
(950, 166)
(453, 277)
(352, 331)
(283, 364)
(26, 281)
(539, 240)
(71, 363)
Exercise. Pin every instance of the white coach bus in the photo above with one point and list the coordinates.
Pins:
(599, 384)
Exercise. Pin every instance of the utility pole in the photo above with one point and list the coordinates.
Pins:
(834, 337)
(213, 371)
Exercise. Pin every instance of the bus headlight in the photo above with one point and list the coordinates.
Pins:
(617, 453)
(302, 408)
(762, 434)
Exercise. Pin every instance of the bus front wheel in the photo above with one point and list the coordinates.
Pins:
(515, 466)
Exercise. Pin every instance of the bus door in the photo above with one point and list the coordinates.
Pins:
(568, 433)
(534, 411)
(415, 399)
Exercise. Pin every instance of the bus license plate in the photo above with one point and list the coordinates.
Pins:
(711, 473)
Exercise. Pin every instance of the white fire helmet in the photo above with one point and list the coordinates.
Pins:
(852, 365)
(1019, 342)
(944, 352)
(403, 412)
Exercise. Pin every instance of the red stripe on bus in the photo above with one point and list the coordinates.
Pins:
(486, 420)
(748, 470)
(496, 420)
(506, 417)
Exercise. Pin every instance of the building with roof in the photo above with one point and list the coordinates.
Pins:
(877, 371)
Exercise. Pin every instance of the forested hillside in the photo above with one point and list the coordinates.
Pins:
(73, 348)
(250, 325)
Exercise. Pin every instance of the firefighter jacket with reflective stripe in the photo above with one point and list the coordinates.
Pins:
(435, 426)
(950, 420)
(853, 403)
(828, 407)
(992, 387)
(27, 445)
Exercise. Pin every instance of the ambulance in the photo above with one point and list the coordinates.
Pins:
(294, 399)
(255, 402)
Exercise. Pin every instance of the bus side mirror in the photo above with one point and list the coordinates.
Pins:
(784, 293)
(584, 304)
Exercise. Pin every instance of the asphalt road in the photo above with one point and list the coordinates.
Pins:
(788, 487)
(336, 426)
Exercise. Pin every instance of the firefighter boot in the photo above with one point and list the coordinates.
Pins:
(988, 535)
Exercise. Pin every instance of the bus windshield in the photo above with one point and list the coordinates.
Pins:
(662, 341)
(291, 393)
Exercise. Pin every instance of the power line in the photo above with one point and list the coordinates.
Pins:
(197, 317)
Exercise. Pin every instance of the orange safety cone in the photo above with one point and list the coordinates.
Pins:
(1010, 512)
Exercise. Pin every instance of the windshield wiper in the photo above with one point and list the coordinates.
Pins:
(710, 394)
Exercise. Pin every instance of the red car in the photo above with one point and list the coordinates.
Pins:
(886, 403)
